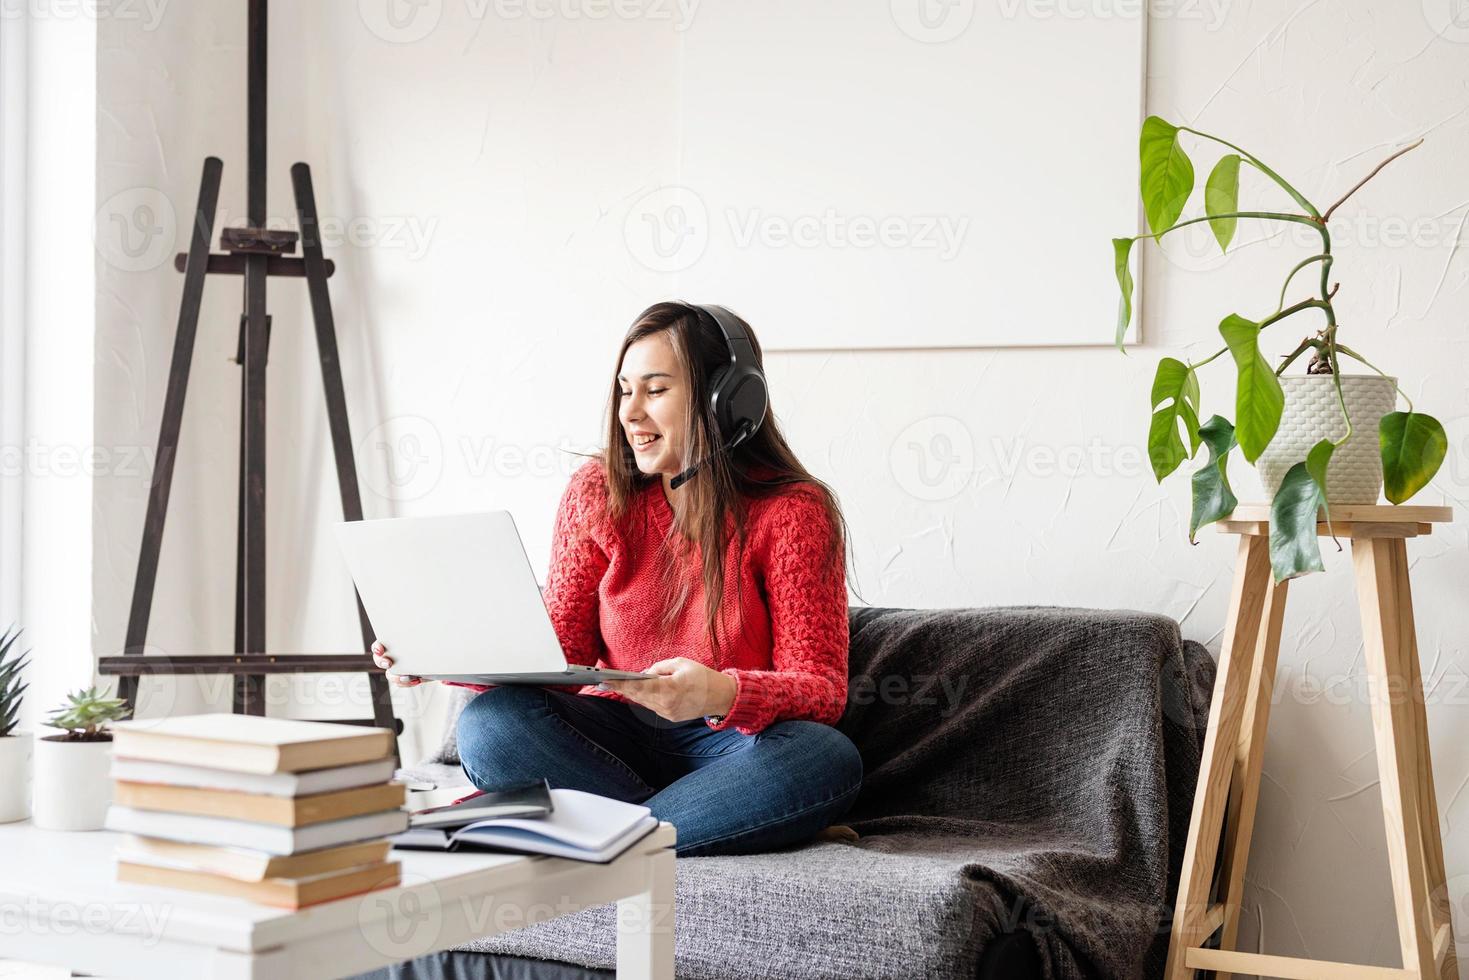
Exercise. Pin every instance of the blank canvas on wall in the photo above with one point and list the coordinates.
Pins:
(904, 173)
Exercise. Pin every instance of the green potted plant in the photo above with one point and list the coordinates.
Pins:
(15, 747)
(1321, 437)
(72, 785)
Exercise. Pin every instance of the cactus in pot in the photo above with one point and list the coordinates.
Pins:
(1308, 456)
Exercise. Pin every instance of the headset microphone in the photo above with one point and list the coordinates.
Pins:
(688, 474)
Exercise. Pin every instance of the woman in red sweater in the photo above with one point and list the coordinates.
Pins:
(731, 587)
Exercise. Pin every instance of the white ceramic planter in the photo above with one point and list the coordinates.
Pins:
(15, 777)
(1312, 413)
(71, 784)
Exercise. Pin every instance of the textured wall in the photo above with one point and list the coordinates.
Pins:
(488, 168)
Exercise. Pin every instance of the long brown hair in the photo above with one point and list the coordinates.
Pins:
(715, 501)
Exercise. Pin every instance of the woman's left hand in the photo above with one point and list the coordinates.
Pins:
(683, 690)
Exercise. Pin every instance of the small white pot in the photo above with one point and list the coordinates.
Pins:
(72, 787)
(15, 777)
(1312, 413)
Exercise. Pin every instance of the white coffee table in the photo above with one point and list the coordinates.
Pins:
(60, 904)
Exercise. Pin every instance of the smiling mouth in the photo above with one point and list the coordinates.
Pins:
(643, 442)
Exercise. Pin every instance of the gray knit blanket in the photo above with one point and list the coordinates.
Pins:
(1026, 769)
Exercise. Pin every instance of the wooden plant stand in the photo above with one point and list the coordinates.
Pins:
(1234, 750)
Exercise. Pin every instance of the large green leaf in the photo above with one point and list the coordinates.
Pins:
(1175, 400)
(1294, 546)
(1213, 499)
(1121, 249)
(1167, 174)
(1221, 196)
(1258, 398)
(1413, 448)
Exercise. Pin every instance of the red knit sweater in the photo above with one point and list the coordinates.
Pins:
(790, 659)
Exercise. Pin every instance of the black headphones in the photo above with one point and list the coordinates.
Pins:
(737, 392)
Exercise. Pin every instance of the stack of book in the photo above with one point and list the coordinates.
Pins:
(281, 812)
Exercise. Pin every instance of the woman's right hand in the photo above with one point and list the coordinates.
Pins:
(381, 658)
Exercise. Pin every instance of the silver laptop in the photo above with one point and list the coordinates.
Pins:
(454, 599)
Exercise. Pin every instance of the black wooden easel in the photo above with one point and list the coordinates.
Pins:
(255, 253)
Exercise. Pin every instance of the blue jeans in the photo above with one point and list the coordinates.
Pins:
(727, 793)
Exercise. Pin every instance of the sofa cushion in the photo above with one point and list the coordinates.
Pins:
(895, 907)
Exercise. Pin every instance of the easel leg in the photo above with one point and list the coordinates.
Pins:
(1387, 636)
(173, 415)
(336, 401)
(250, 688)
(1191, 919)
(1249, 760)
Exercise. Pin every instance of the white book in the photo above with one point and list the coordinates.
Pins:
(133, 855)
(582, 826)
(247, 865)
(250, 743)
(265, 784)
(255, 836)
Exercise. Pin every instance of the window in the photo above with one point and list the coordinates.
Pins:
(13, 70)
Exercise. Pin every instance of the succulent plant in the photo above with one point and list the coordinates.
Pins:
(12, 663)
(86, 713)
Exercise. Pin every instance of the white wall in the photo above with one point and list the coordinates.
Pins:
(491, 159)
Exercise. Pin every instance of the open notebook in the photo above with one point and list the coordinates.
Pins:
(583, 826)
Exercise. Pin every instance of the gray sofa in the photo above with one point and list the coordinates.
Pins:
(1029, 777)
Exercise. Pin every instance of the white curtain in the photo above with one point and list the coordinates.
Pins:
(13, 69)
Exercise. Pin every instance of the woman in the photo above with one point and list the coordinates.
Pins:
(730, 587)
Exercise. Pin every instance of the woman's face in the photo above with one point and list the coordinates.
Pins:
(654, 406)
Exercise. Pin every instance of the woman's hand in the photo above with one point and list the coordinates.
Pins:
(381, 658)
(683, 690)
